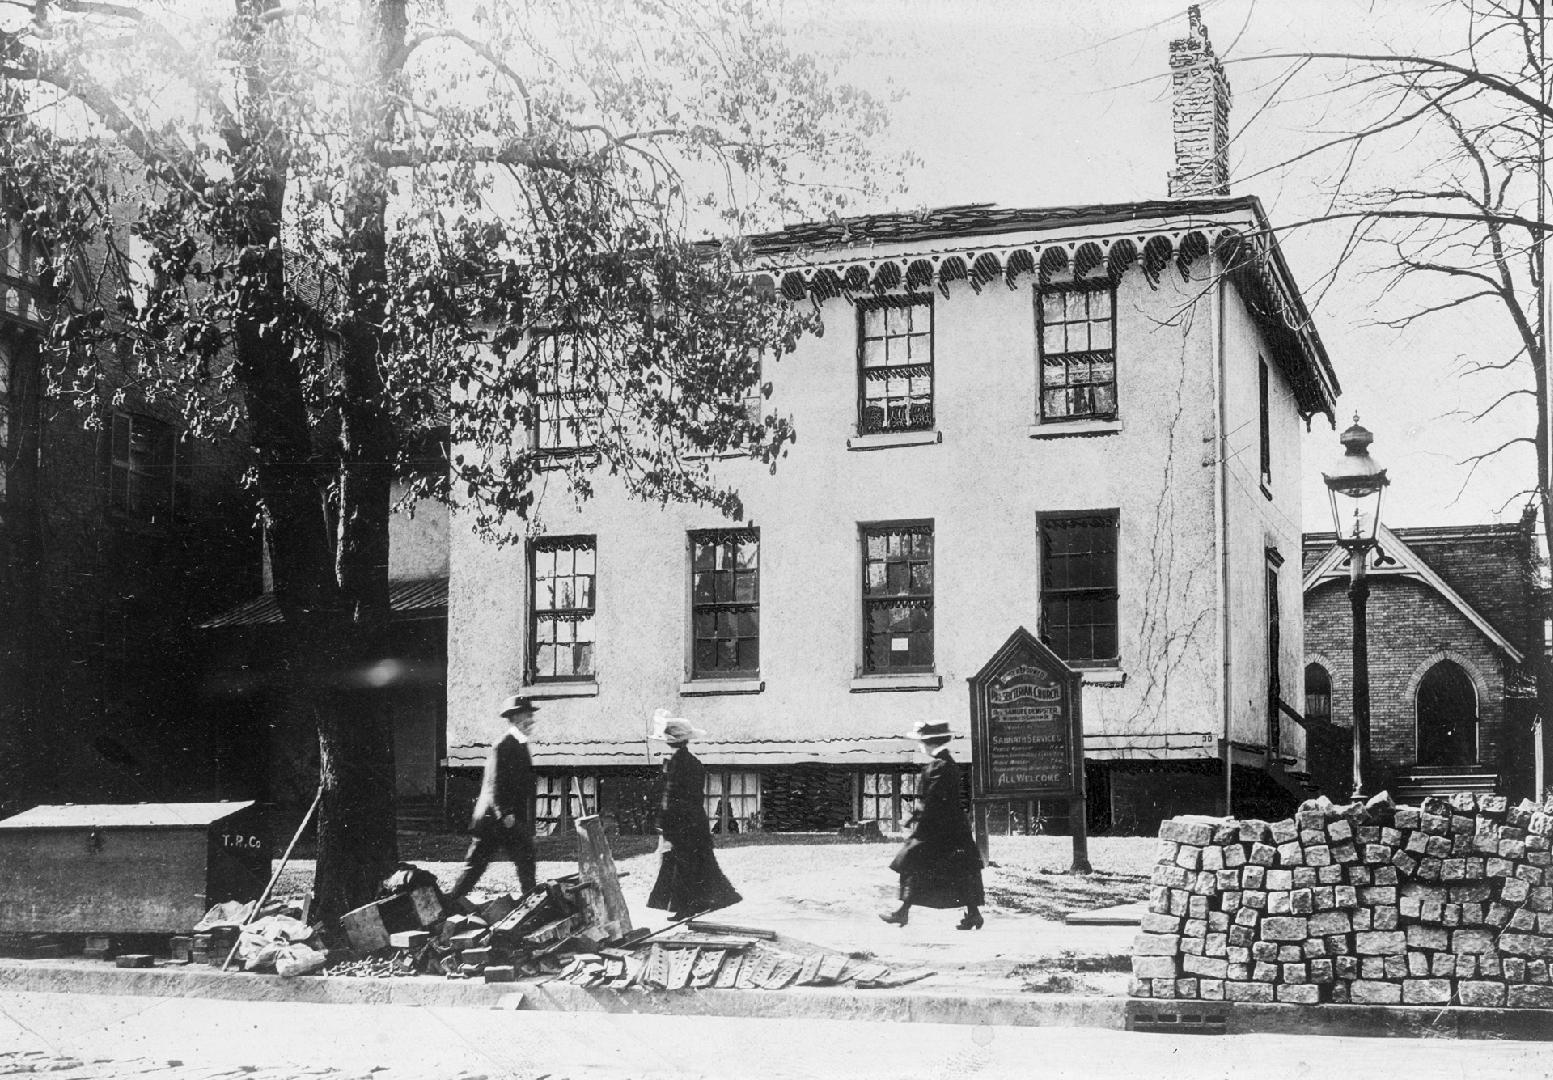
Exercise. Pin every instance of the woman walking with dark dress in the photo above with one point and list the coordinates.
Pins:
(939, 864)
(689, 879)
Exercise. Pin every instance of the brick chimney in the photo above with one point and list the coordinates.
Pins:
(1200, 101)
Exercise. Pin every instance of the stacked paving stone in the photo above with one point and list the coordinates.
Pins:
(1448, 903)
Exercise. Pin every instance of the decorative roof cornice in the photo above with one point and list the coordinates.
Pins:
(981, 244)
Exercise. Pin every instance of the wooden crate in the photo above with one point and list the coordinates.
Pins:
(369, 928)
(138, 868)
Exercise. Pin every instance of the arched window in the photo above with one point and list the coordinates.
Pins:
(1447, 716)
(1318, 693)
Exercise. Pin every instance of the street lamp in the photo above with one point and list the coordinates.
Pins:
(1355, 518)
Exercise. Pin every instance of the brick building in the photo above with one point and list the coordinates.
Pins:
(1454, 633)
(116, 536)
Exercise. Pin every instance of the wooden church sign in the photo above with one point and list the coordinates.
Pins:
(1027, 733)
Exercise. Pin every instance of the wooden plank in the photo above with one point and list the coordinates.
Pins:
(705, 927)
(681, 963)
(728, 975)
(604, 903)
(706, 941)
(707, 964)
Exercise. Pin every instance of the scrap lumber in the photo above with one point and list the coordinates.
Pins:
(891, 979)
(608, 917)
(705, 926)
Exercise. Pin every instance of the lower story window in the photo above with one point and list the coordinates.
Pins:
(886, 796)
(733, 800)
(555, 800)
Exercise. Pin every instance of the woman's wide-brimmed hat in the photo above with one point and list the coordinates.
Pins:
(666, 728)
(930, 733)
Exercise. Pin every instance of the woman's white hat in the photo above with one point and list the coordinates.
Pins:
(666, 728)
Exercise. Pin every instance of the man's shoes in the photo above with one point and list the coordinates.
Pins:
(971, 922)
(895, 918)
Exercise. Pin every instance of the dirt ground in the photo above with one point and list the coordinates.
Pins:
(819, 871)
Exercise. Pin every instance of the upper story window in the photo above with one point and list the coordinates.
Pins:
(1079, 586)
(898, 598)
(895, 364)
(561, 616)
(1077, 332)
(565, 410)
(725, 603)
(149, 479)
(1263, 396)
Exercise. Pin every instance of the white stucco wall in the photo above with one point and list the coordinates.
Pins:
(418, 543)
(1261, 517)
(982, 486)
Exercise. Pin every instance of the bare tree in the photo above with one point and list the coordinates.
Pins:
(1465, 232)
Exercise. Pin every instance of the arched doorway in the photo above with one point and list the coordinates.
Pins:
(1447, 717)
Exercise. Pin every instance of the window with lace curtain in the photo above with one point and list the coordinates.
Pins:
(895, 364)
(1077, 332)
(566, 413)
(725, 603)
(561, 621)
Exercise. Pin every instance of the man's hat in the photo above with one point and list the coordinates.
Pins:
(666, 728)
(517, 703)
(930, 733)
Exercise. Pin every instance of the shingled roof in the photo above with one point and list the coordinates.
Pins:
(979, 219)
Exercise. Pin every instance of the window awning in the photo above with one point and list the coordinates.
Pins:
(407, 601)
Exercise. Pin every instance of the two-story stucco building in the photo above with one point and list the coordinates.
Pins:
(1082, 420)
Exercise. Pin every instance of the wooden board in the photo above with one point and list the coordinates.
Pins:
(604, 903)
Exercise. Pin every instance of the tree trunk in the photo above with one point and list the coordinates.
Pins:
(357, 845)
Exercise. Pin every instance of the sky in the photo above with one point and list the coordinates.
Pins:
(1038, 102)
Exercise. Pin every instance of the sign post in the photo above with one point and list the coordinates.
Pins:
(1027, 735)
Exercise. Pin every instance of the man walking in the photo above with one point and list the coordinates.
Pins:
(503, 817)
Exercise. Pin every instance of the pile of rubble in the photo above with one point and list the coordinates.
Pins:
(1450, 902)
(549, 934)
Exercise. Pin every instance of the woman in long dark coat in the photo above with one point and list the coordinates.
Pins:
(939, 865)
(689, 879)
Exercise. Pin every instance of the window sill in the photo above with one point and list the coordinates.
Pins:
(887, 439)
(546, 690)
(713, 687)
(1104, 676)
(1056, 429)
(921, 680)
(565, 459)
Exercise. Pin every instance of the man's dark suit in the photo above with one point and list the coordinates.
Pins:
(506, 790)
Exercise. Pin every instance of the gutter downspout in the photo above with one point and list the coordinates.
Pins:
(1221, 525)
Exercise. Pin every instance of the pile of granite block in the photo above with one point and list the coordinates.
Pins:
(1446, 903)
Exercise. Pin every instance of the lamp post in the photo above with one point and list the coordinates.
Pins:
(1355, 487)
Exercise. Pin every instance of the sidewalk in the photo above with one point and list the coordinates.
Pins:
(829, 897)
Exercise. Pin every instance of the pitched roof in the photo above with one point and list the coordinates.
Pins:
(407, 600)
(1487, 571)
